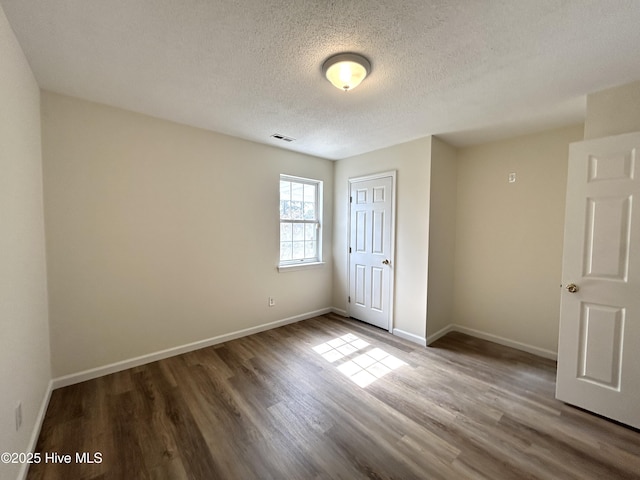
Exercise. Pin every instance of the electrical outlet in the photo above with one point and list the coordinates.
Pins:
(512, 177)
(272, 302)
(18, 416)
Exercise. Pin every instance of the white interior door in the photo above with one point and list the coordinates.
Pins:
(370, 250)
(598, 352)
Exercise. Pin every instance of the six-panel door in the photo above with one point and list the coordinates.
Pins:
(370, 257)
(598, 350)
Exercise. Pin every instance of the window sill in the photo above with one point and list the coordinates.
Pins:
(299, 266)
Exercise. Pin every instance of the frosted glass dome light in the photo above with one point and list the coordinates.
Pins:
(346, 71)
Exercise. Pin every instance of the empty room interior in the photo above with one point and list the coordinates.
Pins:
(367, 239)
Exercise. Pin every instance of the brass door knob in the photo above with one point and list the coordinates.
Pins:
(572, 287)
(386, 262)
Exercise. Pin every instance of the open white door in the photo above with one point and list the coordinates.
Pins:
(371, 249)
(599, 343)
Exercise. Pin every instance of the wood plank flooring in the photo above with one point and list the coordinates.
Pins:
(270, 406)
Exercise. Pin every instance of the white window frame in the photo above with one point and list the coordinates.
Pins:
(289, 265)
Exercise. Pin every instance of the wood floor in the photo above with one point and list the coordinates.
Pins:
(270, 406)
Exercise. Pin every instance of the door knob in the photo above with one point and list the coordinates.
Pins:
(386, 262)
(572, 287)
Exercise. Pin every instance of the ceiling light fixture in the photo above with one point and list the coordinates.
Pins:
(346, 70)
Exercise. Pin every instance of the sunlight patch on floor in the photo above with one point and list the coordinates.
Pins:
(340, 347)
(365, 368)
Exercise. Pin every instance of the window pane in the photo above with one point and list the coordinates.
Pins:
(298, 250)
(298, 231)
(309, 231)
(286, 232)
(310, 193)
(285, 251)
(285, 209)
(310, 250)
(285, 190)
(297, 212)
(297, 192)
(309, 211)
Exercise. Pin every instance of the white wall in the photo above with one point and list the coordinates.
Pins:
(509, 237)
(159, 234)
(613, 111)
(24, 334)
(442, 235)
(412, 161)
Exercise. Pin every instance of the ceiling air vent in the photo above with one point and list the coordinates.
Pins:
(282, 137)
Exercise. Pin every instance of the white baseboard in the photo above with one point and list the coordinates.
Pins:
(439, 334)
(410, 336)
(35, 433)
(541, 352)
(170, 352)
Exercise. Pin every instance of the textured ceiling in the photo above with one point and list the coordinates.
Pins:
(468, 70)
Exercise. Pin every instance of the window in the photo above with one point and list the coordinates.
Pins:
(300, 215)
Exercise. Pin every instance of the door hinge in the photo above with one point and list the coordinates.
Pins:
(349, 249)
(350, 199)
(349, 299)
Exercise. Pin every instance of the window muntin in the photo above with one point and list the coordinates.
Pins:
(300, 215)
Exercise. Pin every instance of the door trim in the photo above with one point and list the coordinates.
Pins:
(375, 176)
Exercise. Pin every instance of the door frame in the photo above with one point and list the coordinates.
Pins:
(351, 181)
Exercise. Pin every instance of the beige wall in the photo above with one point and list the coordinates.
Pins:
(509, 237)
(412, 163)
(613, 111)
(442, 235)
(160, 234)
(24, 334)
